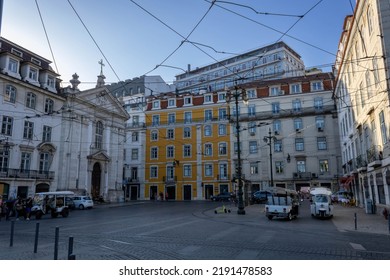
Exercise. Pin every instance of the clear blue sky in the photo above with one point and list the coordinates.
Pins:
(136, 35)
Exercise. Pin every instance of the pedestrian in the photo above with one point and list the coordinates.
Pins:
(29, 204)
(19, 208)
(166, 196)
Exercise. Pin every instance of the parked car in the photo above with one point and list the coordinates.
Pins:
(341, 196)
(259, 197)
(225, 196)
(82, 202)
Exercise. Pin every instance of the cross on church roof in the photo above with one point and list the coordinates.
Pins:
(101, 66)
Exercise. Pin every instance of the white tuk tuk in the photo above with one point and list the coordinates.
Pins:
(321, 203)
(53, 202)
(282, 203)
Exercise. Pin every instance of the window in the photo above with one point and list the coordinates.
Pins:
(251, 110)
(368, 84)
(99, 135)
(295, 88)
(25, 161)
(208, 115)
(156, 120)
(251, 93)
(208, 169)
(187, 117)
(316, 86)
(49, 106)
(320, 122)
(135, 120)
(369, 20)
(223, 171)
(222, 149)
(171, 118)
(253, 147)
(134, 154)
(321, 143)
(33, 74)
(153, 172)
(221, 96)
(236, 147)
(208, 98)
(383, 127)
(277, 126)
(31, 100)
(208, 149)
(375, 71)
(154, 135)
(170, 133)
(156, 104)
(171, 102)
(46, 137)
(44, 163)
(222, 114)
(318, 103)
(296, 104)
(187, 151)
(207, 130)
(134, 136)
(28, 130)
(274, 91)
(301, 166)
(187, 101)
(51, 81)
(324, 166)
(222, 129)
(13, 65)
(254, 168)
(187, 132)
(299, 144)
(252, 128)
(10, 94)
(298, 125)
(154, 153)
(187, 170)
(170, 152)
(170, 172)
(4, 159)
(275, 108)
(6, 125)
(279, 167)
(278, 146)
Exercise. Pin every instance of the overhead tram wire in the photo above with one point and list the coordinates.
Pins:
(47, 37)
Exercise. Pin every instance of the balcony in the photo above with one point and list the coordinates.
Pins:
(304, 176)
(6, 173)
(374, 156)
(361, 163)
(169, 179)
(223, 177)
(132, 180)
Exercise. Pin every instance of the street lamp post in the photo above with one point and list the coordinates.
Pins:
(268, 139)
(236, 94)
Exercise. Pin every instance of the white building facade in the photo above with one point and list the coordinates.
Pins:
(362, 95)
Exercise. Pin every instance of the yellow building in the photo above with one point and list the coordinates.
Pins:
(187, 146)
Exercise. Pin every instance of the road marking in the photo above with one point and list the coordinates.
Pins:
(357, 246)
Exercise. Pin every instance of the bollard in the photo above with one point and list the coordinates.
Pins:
(56, 243)
(36, 237)
(355, 221)
(70, 249)
(11, 240)
(388, 219)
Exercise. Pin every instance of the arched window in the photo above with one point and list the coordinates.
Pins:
(99, 135)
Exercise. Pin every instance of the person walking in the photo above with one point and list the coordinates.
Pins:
(29, 205)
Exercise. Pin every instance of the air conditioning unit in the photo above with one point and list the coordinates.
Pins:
(281, 92)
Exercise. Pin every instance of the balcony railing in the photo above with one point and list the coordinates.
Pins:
(168, 179)
(304, 175)
(26, 174)
(375, 156)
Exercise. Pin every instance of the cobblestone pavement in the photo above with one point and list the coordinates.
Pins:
(202, 234)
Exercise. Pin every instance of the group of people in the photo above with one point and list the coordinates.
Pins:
(19, 207)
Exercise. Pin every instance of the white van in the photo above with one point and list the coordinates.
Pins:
(282, 203)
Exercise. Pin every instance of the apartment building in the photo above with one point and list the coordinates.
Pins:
(187, 147)
(274, 61)
(362, 95)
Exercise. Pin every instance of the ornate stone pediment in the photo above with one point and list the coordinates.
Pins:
(99, 156)
(46, 147)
